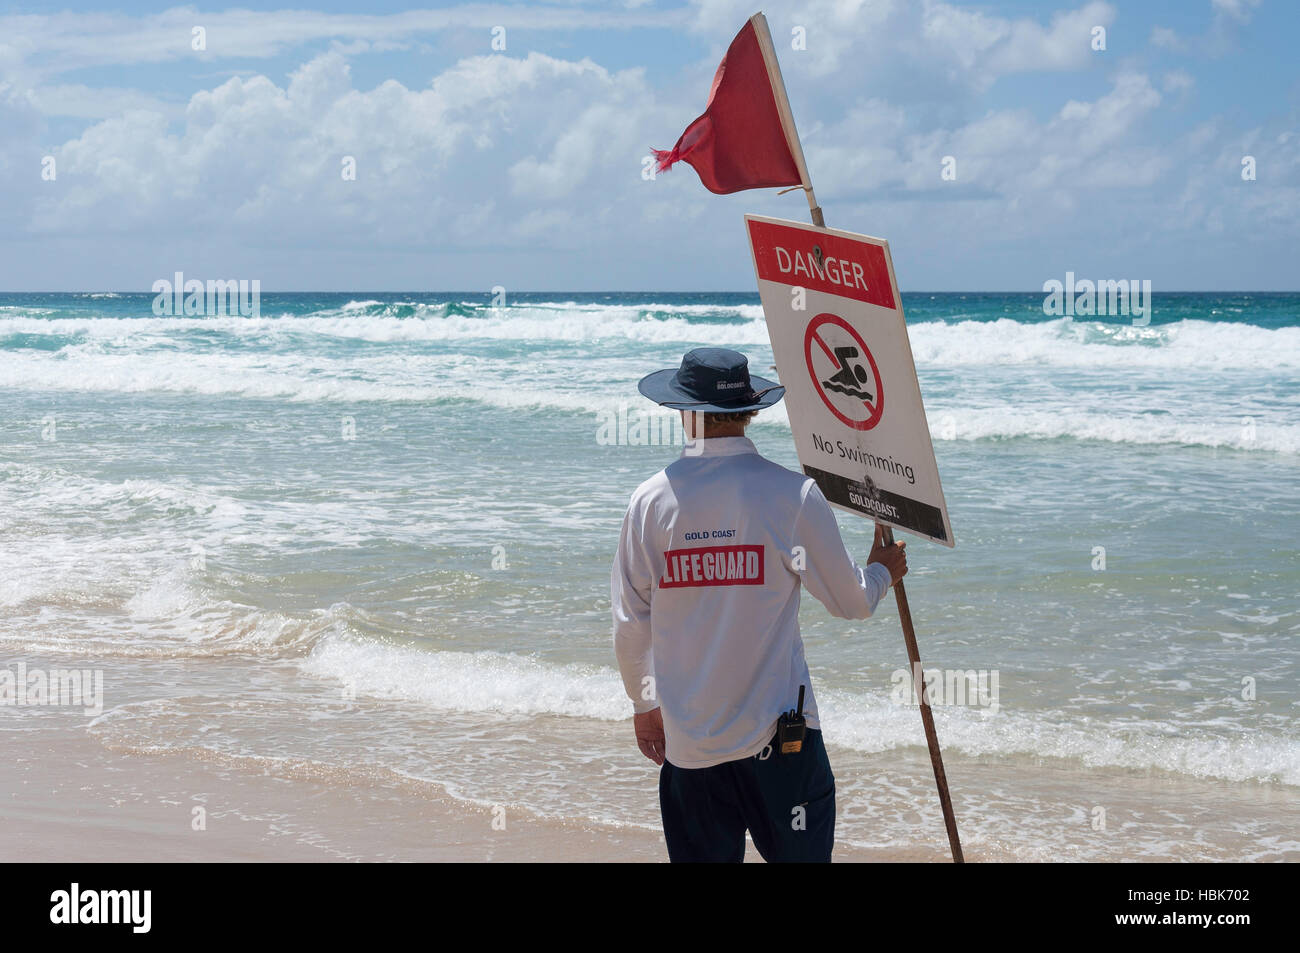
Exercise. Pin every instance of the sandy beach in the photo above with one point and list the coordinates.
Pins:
(79, 802)
(69, 798)
(131, 784)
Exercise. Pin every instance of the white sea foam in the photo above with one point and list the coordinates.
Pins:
(1089, 344)
(1189, 373)
(1059, 343)
(57, 491)
(873, 723)
(166, 618)
(470, 681)
(962, 423)
(439, 378)
(428, 324)
(514, 684)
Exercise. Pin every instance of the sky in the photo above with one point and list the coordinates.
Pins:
(128, 154)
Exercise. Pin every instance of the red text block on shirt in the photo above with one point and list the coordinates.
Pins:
(713, 566)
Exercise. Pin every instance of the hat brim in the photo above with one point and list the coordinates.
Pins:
(661, 388)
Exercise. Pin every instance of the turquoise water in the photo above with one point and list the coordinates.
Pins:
(399, 508)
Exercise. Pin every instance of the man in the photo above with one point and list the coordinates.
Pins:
(705, 591)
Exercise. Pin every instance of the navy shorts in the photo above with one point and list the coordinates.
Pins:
(785, 801)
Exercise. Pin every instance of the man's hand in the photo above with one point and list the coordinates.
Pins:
(649, 728)
(893, 557)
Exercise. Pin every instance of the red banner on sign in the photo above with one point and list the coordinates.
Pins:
(844, 267)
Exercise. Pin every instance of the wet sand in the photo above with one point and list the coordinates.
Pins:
(71, 799)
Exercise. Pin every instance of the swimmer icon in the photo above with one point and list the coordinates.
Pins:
(843, 371)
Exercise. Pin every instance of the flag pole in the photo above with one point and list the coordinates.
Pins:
(787, 117)
(887, 532)
(927, 716)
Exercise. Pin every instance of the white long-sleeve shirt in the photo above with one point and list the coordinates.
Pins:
(705, 590)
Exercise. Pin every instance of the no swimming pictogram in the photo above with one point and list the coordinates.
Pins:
(843, 371)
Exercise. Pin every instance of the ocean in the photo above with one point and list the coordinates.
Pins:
(371, 534)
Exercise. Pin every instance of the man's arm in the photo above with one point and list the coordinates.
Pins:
(630, 584)
(630, 587)
(830, 573)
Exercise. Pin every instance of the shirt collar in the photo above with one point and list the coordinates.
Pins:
(718, 447)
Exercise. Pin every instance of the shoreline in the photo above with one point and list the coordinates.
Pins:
(251, 743)
(80, 801)
(52, 810)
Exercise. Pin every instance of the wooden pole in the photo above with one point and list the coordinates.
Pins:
(927, 716)
(887, 532)
(787, 117)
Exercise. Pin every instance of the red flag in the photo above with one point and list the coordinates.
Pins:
(739, 142)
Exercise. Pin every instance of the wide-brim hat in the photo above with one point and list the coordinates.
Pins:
(715, 380)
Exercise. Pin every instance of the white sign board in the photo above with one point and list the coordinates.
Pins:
(835, 319)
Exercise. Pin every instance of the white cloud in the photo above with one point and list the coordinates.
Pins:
(509, 158)
(79, 101)
(1167, 39)
(1219, 37)
(1240, 10)
(998, 46)
(48, 44)
(967, 45)
(1002, 154)
(537, 139)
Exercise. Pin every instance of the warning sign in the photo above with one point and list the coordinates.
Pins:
(845, 382)
(837, 330)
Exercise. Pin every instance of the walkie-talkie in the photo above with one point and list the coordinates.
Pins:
(790, 729)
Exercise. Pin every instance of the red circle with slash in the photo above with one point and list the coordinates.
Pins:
(812, 336)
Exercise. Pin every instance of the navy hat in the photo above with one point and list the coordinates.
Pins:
(712, 379)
